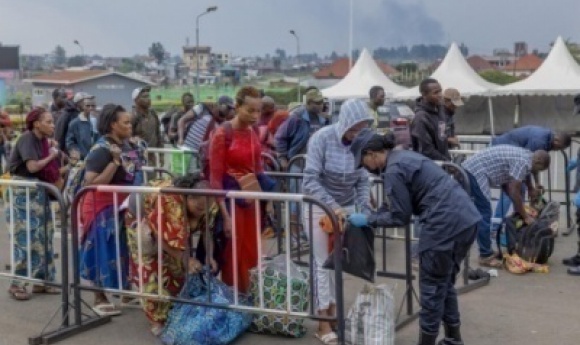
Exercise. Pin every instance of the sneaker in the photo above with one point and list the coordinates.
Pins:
(574, 271)
(573, 261)
(490, 261)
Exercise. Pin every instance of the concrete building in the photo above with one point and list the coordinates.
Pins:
(106, 86)
(524, 66)
(205, 58)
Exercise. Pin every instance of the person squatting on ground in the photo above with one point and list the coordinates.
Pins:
(330, 176)
(506, 167)
(415, 185)
(116, 159)
(35, 157)
(178, 225)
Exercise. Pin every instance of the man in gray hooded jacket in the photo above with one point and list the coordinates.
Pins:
(331, 177)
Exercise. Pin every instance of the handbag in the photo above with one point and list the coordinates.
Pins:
(357, 253)
(190, 324)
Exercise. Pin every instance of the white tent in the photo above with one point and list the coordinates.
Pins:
(362, 77)
(455, 72)
(559, 74)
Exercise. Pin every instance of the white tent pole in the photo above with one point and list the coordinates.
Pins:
(350, 38)
(491, 122)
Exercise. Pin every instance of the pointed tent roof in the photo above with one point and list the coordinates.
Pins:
(363, 75)
(558, 75)
(454, 72)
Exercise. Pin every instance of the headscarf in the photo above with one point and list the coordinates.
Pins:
(50, 173)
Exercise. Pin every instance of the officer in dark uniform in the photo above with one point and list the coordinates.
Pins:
(415, 185)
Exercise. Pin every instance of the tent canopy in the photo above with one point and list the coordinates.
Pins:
(362, 77)
(455, 72)
(558, 75)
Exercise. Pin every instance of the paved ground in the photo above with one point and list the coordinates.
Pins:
(535, 309)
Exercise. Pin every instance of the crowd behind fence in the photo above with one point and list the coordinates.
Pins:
(282, 201)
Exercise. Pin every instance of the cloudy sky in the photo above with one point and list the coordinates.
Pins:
(257, 27)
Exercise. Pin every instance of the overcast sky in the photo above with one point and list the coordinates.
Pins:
(257, 27)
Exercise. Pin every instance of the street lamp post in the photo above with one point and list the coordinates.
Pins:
(208, 10)
(293, 33)
(82, 51)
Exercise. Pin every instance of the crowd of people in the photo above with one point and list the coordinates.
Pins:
(230, 136)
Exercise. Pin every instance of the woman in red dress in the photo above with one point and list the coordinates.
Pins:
(235, 152)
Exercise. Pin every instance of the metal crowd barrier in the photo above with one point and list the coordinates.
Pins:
(64, 329)
(230, 196)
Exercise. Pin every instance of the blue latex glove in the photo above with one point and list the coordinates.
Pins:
(358, 219)
(572, 165)
(577, 200)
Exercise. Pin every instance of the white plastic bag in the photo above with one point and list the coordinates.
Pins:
(371, 320)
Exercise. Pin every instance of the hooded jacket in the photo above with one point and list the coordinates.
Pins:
(428, 131)
(532, 138)
(330, 174)
(70, 113)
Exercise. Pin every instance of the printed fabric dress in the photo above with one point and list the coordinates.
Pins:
(240, 158)
(41, 229)
(100, 226)
(175, 233)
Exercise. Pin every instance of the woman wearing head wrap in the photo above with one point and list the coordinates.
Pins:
(34, 157)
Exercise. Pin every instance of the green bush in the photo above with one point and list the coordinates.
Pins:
(284, 97)
(165, 105)
(12, 109)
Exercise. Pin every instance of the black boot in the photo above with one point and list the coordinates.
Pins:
(452, 336)
(427, 339)
(573, 261)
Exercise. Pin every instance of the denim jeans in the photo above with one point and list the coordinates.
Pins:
(483, 205)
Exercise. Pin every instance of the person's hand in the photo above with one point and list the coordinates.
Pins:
(54, 153)
(228, 226)
(529, 220)
(116, 153)
(53, 143)
(572, 165)
(180, 142)
(358, 219)
(540, 189)
(213, 264)
(194, 266)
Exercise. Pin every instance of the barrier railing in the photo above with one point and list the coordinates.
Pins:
(22, 196)
(230, 196)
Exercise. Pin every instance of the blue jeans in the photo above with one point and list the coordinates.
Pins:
(295, 186)
(483, 205)
(503, 206)
(415, 245)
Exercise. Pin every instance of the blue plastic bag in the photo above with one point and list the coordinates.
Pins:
(195, 325)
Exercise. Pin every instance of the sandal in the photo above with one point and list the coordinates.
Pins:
(48, 290)
(19, 293)
(106, 309)
(327, 339)
(130, 302)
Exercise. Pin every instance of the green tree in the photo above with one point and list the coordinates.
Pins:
(59, 56)
(157, 51)
(498, 77)
(76, 61)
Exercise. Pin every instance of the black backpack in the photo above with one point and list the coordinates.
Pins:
(533, 243)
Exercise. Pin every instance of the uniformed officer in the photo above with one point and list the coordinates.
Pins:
(413, 184)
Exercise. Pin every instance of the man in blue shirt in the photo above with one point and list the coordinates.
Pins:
(532, 138)
(415, 185)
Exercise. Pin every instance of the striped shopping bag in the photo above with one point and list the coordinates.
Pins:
(371, 320)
